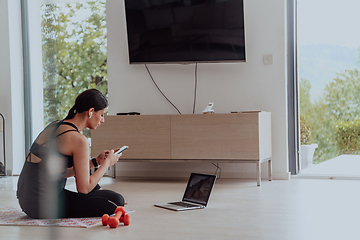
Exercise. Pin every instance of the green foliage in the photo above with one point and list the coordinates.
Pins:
(348, 137)
(322, 131)
(321, 121)
(337, 107)
(74, 54)
(305, 103)
(305, 107)
(342, 96)
(305, 131)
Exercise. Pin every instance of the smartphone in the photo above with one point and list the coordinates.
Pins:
(123, 148)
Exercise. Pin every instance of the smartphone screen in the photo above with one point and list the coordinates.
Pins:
(123, 148)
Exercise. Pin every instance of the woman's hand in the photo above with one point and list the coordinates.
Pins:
(102, 156)
(112, 158)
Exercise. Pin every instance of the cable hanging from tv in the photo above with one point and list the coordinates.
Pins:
(168, 98)
(195, 88)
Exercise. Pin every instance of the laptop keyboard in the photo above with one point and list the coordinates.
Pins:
(182, 204)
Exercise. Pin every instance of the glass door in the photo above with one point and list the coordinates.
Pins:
(65, 52)
(328, 63)
(74, 53)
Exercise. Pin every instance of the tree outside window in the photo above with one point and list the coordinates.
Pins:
(74, 53)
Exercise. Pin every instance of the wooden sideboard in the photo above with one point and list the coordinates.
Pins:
(232, 137)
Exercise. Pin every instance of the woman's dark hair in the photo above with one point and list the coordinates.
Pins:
(91, 98)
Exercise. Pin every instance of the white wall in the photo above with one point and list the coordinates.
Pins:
(12, 84)
(231, 86)
(11, 90)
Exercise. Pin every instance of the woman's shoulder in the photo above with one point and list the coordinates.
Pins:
(68, 132)
(70, 140)
(77, 141)
(47, 131)
(52, 124)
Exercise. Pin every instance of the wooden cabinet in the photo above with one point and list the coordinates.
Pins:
(147, 136)
(233, 137)
(215, 136)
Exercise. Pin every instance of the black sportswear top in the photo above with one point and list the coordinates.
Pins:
(44, 169)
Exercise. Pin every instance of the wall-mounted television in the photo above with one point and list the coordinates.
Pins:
(185, 31)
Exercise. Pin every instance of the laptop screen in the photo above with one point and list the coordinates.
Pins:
(199, 188)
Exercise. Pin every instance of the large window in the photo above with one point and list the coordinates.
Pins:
(73, 53)
(328, 43)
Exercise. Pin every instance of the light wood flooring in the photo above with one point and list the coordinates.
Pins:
(305, 209)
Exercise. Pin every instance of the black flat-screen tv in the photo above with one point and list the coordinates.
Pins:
(185, 31)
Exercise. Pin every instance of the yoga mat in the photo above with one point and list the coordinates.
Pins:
(16, 217)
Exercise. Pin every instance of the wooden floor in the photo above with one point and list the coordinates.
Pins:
(305, 209)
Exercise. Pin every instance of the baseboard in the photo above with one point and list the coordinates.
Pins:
(282, 176)
(186, 174)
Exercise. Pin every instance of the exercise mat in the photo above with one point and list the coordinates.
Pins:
(16, 217)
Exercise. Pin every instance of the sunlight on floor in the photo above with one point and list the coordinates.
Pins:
(342, 167)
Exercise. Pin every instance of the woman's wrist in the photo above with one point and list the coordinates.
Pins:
(94, 162)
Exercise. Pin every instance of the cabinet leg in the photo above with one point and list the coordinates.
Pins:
(114, 171)
(258, 173)
(270, 170)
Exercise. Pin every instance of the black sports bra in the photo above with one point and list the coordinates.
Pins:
(41, 151)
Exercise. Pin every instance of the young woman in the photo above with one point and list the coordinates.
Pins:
(61, 151)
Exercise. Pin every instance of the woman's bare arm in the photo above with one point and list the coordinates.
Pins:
(84, 182)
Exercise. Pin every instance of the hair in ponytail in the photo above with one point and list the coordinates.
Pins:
(71, 113)
(91, 98)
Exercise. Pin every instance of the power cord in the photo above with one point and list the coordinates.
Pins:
(160, 90)
(195, 88)
(217, 168)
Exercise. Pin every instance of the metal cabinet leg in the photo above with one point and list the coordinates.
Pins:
(114, 171)
(258, 173)
(270, 170)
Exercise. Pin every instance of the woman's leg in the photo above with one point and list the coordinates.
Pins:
(94, 204)
(30, 208)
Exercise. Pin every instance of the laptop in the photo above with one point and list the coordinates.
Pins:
(197, 193)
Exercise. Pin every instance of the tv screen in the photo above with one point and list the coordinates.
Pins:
(185, 31)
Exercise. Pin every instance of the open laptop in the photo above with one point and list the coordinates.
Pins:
(197, 193)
